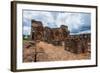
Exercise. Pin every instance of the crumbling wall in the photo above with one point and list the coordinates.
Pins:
(50, 35)
(37, 30)
(56, 36)
(78, 44)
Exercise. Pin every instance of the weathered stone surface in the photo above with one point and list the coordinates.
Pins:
(78, 43)
(56, 36)
(36, 30)
(50, 35)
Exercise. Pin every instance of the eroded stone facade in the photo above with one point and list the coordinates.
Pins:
(38, 32)
(60, 36)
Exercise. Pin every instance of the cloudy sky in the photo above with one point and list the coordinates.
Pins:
(77, 22)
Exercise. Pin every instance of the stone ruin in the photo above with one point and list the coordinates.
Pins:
(60, 36)
(78, 43)
(50, 35)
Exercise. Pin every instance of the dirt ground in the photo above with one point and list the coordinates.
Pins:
(42, 51)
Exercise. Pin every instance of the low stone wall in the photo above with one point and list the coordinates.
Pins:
(77, 45)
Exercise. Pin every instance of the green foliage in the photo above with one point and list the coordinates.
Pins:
(26, 37)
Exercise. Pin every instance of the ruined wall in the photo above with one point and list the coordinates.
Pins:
(78, 43)
(38, 32)
(56, 36)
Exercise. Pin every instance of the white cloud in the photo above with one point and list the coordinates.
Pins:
(26, 30)
(72, 20)
(45, 17)
(55, 19)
